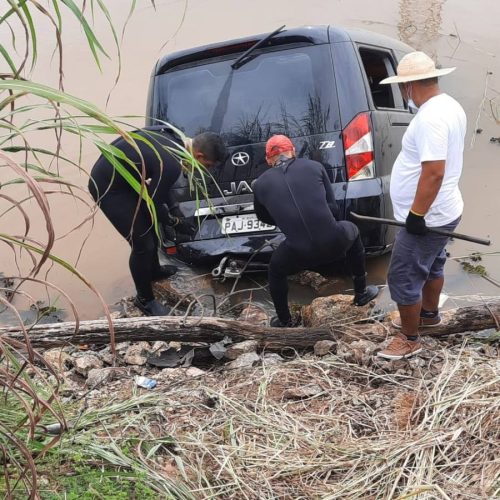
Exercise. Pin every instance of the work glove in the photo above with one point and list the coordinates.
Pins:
(169, 216)
(185, 227)
(179, 230)
(415, 224)
(175, 211)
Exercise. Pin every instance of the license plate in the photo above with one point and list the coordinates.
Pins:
(245, 223)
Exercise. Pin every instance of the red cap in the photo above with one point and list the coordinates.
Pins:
(278, 144)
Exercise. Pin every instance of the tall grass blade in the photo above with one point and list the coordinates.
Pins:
(92, 40)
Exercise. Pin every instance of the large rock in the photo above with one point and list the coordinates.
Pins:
(100, 376)
(360, 352)
(254, 315)
(324, 347)
(137, 354)
(167, 292)
(236, 350)
(86, 362)
(272, 359)
(333, 310)
(244, 361)
(58, 359)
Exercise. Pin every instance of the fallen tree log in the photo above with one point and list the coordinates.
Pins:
(193, 329)
(168, 328)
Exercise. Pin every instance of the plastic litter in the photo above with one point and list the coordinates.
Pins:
(54, 429)
(146, 383)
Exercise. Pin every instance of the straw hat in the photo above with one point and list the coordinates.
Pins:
(416, 66)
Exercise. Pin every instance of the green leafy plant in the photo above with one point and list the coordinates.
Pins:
(32, 172)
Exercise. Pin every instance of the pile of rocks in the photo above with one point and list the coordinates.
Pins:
(88, 368)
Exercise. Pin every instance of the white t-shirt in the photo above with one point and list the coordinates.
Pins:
(436, 133)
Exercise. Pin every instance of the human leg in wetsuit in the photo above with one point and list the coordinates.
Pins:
(355, 262)
(119, 206)
(286, 262)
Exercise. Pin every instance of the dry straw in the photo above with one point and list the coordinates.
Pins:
(312, 429)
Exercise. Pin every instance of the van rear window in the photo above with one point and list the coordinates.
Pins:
(288, 92)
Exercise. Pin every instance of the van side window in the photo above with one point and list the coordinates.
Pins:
(378, 65)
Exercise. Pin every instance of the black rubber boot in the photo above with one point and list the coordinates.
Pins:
(164, 272)
(151, 307)
(362, 293)
(276, 323)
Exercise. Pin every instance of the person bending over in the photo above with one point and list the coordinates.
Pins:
(120, 202)
(297, 196)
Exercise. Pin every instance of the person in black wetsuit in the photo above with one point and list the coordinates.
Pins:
(297, 196)
(119, 201)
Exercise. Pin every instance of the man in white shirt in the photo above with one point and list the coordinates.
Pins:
(424, 193)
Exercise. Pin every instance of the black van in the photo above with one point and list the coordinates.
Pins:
(319, 85)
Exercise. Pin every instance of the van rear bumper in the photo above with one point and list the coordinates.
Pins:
(365, 197)
(208, 252)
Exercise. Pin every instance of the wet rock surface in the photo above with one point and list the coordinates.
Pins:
(334, 310)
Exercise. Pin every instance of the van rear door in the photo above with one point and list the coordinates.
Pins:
(287, 89)
(390, 118)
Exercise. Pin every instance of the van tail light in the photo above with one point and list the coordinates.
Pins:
(171, 250)
(358, 146)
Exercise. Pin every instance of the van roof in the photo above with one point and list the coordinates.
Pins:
(312, 35)
(372, 38)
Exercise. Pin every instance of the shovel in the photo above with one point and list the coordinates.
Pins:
(391, 222)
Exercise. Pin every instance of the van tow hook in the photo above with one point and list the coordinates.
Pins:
(218, 272)
(227, 269)
(232, 270)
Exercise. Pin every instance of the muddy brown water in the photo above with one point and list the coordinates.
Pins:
(457, 33)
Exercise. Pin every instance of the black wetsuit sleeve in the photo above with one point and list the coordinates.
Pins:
(159, 193)
(162, 170)
(330, 197)
(261, 212)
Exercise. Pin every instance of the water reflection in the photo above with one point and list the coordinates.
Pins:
(281, 92)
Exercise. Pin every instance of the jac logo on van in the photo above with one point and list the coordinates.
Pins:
(240, 159)
(326, 144)
(238, 188)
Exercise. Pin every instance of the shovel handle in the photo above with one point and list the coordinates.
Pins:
(391, 222)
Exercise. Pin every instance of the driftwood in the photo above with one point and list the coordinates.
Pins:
(192, 329)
